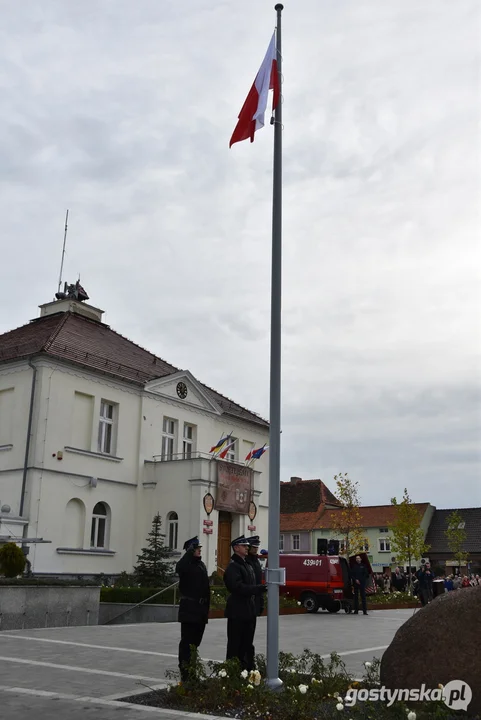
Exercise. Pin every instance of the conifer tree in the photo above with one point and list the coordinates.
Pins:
(154, 566)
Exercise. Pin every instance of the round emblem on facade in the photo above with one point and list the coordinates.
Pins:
(208, 503)
(182, 390)
(252, 511)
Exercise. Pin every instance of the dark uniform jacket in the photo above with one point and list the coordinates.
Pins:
(240, 581)
(425, 578)
(361, 573)
(254, 563)
(194, 589)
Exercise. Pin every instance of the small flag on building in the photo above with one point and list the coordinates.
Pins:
(226, 450)
(216, 448)
(252, 115)
(256, 454)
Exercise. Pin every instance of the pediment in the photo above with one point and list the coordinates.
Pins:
(196, 395)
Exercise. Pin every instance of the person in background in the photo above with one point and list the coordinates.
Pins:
(240, 608)
(359, 577)
(448, 583)
(252, 559)
(457, 582)
(425, 577)
(194, 602)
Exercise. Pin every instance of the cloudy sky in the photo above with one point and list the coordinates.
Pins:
(122, 111)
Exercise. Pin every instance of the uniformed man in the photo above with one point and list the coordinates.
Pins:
(194, 602)
(360, 576)
(240, 609)
(253, 560)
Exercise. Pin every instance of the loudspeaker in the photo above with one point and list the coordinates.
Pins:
(333, 547)
(322, 546)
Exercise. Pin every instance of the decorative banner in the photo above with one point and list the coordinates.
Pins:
(234, 488)
(208, 531)
(208, 523)
(251, 527)
(252, 511)
(208, 503)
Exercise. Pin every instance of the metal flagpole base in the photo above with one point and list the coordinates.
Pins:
(275, 684)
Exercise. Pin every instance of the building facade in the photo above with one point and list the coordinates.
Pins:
(97, 435)
(376, 522)
(441, 555)
(302, 504)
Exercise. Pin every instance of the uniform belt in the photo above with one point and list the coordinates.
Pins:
(201, 601)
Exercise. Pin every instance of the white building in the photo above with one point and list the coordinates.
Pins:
(97, 435)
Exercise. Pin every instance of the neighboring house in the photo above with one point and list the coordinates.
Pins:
(302, 503)
(439, 553)
(97, 435)
(376, 521)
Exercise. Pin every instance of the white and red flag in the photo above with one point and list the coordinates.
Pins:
(251, 117)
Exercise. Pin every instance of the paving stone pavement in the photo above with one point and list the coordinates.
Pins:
(81, 672)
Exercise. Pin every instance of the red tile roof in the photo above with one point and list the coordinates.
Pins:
(371, 516)
(299, 521)
(77, 339)
(302, 503)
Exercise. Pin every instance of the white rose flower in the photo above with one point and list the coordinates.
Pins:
(244, 674)
(303, 689)
(339, 706)
(411, 715)
(222, 673)
(367, 664)
(250, 687)
(336, 695)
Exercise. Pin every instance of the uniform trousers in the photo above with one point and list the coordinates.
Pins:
(190, 634)
(359, 590)
(240, 637)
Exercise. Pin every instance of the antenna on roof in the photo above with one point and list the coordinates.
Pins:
(63, 253)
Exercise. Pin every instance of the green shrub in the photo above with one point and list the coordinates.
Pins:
(12, 560)
(313, 689)
(53, 582)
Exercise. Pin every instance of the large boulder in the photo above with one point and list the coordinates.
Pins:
(437, 644)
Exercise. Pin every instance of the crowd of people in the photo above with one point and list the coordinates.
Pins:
(422, 581)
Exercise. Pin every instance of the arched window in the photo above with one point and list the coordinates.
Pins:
(74, 524)
(100, 526)
(173, 524)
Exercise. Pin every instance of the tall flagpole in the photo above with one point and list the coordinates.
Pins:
(273, 577)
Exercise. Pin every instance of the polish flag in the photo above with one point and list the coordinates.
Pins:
(251, 117)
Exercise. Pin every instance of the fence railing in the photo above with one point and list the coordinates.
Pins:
(174, 585)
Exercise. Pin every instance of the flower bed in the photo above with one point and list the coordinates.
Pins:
(312, 690)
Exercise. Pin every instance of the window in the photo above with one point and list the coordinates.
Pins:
(232, 452)
(188, 441)
(383, 530)
(173, 526)
(281, 542)
(168, 439)
(384, 545)
(296, 542)
(106, 427)
(365, 546)
(98, 532)
(342, 547)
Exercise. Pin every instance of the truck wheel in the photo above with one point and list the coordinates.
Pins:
(310, 603)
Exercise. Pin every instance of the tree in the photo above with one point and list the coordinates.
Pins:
(12, 560)
(407, 535)
(456, 536)
(154, 567)
(347, 521)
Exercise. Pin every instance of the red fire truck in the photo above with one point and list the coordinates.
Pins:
(320, 581)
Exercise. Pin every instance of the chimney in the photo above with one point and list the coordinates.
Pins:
(295, 480)
(73, 306)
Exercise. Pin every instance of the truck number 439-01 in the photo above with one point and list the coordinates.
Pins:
(312, 562)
